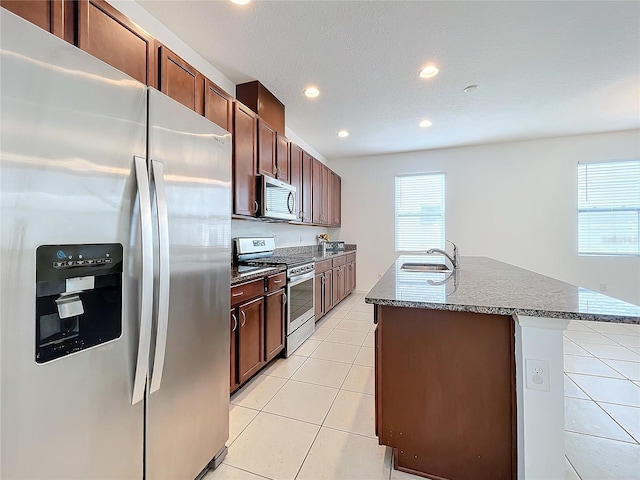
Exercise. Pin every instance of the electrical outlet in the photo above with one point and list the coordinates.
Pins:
(537, 374)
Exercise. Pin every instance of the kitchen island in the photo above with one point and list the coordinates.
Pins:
(469, 367)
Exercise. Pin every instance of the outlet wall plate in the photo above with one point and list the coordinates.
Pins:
(537, 374)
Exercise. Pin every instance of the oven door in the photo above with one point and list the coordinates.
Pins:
(301, 300)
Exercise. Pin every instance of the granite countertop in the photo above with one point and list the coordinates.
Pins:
(237, 278)
(313, 251)
(484, 285)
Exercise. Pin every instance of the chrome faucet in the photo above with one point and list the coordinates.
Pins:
(455, 260)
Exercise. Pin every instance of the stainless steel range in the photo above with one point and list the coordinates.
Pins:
(300, 321)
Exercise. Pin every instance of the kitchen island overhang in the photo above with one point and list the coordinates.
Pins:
(441, 308)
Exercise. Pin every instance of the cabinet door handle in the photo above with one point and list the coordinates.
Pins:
(244, 318)
(235, 322)
(284, 299)
(255, 206)
(237, 294)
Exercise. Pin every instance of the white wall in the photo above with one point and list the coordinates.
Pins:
(515, 202)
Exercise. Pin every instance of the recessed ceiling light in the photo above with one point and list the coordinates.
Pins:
(470, 88)
(240, 2)
(429, 71)
(343, 133)
(425, 123)
(312, 92)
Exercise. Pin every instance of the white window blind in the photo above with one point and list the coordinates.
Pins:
(609, 208)
(419, 212)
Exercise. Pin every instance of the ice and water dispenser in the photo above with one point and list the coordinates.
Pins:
(78, 298)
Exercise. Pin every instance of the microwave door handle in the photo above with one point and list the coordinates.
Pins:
(146, 281)
(157, 173)
(291, 203)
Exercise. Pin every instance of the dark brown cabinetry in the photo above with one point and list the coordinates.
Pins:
(256, 96)
(275, 304)
(300, 177)
(323, 288)
(250, 338)
(180, 81)
(282, 159)
(266, 149)
(245, 199)
(54, 16)
(233, 353)
(247, 315)
(275, 315)
(218, 105)
(351, 273)
(322, 182)
(307, 187)
(336, 200)
(108, 35)
(426, 370)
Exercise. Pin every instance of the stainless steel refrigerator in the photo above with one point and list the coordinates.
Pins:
(115, 250)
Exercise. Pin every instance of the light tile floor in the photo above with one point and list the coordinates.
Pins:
(311, 416)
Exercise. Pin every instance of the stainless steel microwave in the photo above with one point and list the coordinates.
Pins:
(278, 199)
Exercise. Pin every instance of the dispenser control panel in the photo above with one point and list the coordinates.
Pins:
(78, 298)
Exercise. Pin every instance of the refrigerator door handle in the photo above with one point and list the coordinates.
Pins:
(157, 174)
(146, 300)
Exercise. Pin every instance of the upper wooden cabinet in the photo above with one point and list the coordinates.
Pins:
(54, 16)
(266, 149)
(282, 159)
(108, 35)
(264, 103)
(245, 148)
(307, 187)
(321, 204)
(181, 81)
(218, 105)
(336, 200)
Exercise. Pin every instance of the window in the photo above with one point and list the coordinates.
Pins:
(609, 208)
(419, 212)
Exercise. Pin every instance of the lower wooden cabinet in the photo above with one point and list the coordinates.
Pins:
(250, 338)
(275, 308)
(233, 351)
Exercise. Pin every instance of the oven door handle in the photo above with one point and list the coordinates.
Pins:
(302, 278)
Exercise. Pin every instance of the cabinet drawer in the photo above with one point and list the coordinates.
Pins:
(351, 257)
(323, 266)
(246, 291)
(277, 281)
(341, 260)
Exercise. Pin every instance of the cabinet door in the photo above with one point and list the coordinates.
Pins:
(266, 149)
(245, 201)
(295, 174)
(181, 81)
(274, 324)
(233, 355)
(317, 198)
(218, 105)
(108, 35)
(319, 296)
(335, 288)
(282, 159)
(328, 291)
(54, 16)
(250, 338)
(307, 187)
(353, 276)
(326, 195)
(336, 200)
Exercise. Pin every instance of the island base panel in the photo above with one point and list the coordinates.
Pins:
(445, 392)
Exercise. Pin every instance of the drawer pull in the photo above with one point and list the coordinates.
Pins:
(237, 294)
(277, 281)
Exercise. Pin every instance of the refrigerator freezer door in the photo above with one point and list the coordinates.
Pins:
(187, 417)
(70, 128)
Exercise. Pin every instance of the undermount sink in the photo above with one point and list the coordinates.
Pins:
(425, 267)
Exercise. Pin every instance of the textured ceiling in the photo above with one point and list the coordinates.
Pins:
(542, 68)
